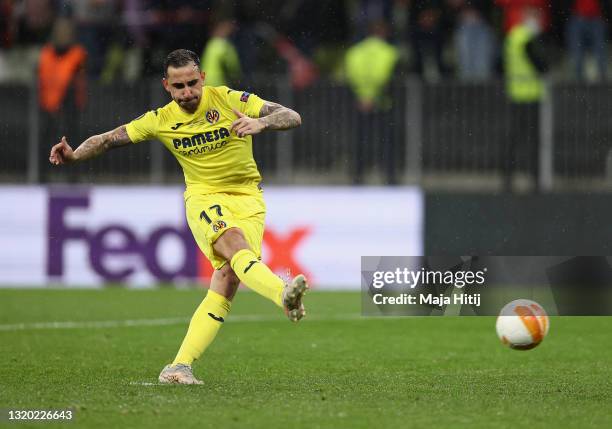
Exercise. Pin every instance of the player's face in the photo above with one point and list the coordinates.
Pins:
(185, 86)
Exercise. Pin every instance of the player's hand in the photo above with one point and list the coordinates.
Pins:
(61, 153)
(245, 126)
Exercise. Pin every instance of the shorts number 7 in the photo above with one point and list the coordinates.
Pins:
(204, 216)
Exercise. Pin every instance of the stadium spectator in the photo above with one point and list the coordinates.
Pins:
(523, 65)
(134, 17)
(61, 65)
(427, 24)
(248, 42)
(220, 59)
(586, 30)
(139, 50)
(164, 25)
(7, 34)
(474, 39)
(94, 20)
(7, 30)
(34, 20)
(369, 67)
(319, 30)
(61, 82)
(181, 23)
(372, 11)
(311, 25)
(513, 12)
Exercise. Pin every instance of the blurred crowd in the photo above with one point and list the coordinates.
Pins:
(63, 46)
(435, 39)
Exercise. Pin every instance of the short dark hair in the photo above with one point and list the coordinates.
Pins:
(180, 58)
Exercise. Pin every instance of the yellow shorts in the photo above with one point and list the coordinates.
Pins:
(211, 215)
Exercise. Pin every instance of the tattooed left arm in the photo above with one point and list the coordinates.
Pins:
(272, 116)
(277, 117)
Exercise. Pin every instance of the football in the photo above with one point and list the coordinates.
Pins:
(522, 324)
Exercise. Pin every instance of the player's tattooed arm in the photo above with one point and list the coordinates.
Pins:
(96, 145)
(272, 116)
(277, 117)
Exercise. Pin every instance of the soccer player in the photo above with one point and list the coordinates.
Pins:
(208, 130)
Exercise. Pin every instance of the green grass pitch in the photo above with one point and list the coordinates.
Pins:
(334, 369)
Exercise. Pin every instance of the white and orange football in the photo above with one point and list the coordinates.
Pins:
(522, 324)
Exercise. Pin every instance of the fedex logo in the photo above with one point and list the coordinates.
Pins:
(137, 251)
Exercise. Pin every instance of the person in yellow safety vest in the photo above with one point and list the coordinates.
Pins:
(220, 59)
(369, 67)
(523, 66)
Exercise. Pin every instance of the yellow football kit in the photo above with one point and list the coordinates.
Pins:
(222, 192)
(221, 176)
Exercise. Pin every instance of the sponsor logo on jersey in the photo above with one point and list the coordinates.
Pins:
(176, 127)
(219, 225)
(244, 97)
(212, 116)
(201, 138)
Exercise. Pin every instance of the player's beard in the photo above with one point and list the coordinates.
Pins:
(190, 105)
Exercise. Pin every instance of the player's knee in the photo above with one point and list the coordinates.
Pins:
(225, 282)
(229, 276)
(230, 242)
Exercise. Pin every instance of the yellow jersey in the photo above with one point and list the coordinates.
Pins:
(213, 158)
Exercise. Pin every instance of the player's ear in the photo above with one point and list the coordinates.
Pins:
(203, 76)
(165, 84)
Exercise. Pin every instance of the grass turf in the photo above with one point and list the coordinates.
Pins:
(334, 369)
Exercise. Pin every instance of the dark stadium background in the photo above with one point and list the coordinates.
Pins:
(448, 130)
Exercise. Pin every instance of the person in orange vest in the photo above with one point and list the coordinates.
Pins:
(60, 68)
(61, 83)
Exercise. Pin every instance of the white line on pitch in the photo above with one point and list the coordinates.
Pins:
(148, 383)
(93, 324)
(100, 324)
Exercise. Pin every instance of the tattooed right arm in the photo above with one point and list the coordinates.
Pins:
(62, 153)
(97, 145)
